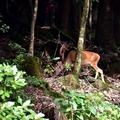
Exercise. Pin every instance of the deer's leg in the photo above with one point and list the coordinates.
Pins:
(101, 72)
(98, 70)
(96, 75)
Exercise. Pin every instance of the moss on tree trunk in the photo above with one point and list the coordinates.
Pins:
(84, 17)
(32, 66)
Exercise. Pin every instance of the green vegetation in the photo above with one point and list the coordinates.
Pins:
(32, 80)
(16, 47)
(49, 68)
(3, 27)
(12, 105)
(87, 107)
(67, 66)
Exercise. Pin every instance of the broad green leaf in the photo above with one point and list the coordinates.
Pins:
(65, 102)
(14, 86)
(7, 94)
(39, 115)
(1, 78)
(19, 100)
(26, 103)
(62, 110)
(74, 105)
(68, 109)
(92, 110)
(17, 76)
(21, 82)
(1, 92)
(7, 104)
(58, 100)
(80, 117)
(14, 68)
(101, 108)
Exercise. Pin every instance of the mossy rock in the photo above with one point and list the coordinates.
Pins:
(70, 80)
(32, 66)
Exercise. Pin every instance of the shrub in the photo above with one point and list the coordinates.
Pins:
(3, 27)
(17, 48)
(11, 80)
(49, 68)
(87, 107)
(32, 80)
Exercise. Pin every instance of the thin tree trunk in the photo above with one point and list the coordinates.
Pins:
(31, 48)
(84, 17)
(90, 19)
(104, 29)
(63, 15)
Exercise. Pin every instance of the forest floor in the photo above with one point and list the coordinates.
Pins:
(112, 94)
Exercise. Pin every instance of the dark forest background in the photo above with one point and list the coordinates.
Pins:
(103, 26)
(65, 15)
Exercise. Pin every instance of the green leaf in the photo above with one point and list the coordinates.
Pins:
(17, 76)
(19, 100)
(80, 117)
(92, 110)
(21, 82)
(101, 108)
(7, 105)
(1, 92)
(14, 86)
(7, 94)
(26, 103)
(1, 78)
(74, 105)
(58, 100)
(14, 68)
(56, 58)
(68, 109)
(80, 101)
(62, 110)
(65, 102)
(39, 115)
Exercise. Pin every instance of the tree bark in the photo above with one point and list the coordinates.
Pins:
(116, 22)
(63, 15)
(84, 17)
(68, 18)
(104, 30)
(31, 48)
(90, 20)
(74, 18)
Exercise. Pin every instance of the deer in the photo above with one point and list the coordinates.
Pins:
(88, 59)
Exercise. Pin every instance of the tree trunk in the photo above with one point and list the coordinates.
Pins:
(63, 15)
(68, 17)
(74, 17)
(90, 20)
(81, 38)
(31, 48)
(104, 30)
(116, 24)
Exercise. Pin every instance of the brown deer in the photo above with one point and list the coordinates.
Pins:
(88, 59)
